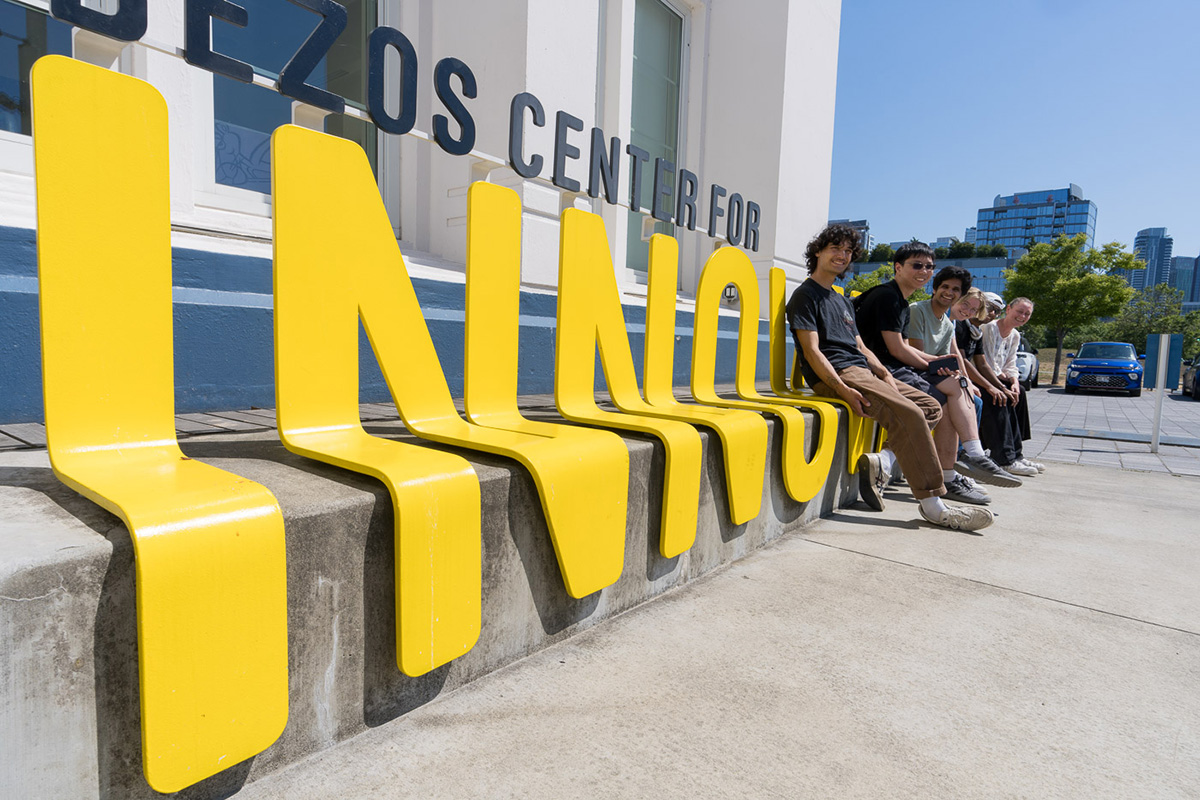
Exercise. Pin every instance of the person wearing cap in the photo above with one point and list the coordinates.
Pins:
(968, 334)
(1002, 427)
(835, 362)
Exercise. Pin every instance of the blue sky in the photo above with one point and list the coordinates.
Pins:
(943, 105)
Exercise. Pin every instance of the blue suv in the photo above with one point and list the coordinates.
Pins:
(1105, 365)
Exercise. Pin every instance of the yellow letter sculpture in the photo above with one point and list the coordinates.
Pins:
(744, 434)
(589, 313)
(208, 545)
(331, 219)
(435, 495)
(492, 344)
(802, 479)
(859, 428)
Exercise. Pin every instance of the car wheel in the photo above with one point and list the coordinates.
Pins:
(1196, 387)
(1135, 392)
(1033, 382)
(1070, 389)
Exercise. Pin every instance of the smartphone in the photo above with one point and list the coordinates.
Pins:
(945, 362)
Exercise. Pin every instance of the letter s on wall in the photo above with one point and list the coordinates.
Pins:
(293, 76)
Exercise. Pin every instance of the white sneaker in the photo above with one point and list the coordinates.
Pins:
(1035, 464)
(961, 518)
(1021, 468)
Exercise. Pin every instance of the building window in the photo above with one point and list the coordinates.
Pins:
(244, 115)
(26, 35)
(658, 32)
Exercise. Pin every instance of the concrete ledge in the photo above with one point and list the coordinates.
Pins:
(69, 712)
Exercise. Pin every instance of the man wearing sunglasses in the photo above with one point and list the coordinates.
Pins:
(882, 314)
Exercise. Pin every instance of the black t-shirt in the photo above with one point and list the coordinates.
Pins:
(881, 308)
(968, 345)
(812, 307)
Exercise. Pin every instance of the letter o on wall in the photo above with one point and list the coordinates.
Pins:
(735, 217)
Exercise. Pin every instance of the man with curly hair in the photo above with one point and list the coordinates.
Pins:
(835, 363)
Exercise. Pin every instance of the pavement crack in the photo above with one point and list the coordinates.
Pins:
(1004, 588)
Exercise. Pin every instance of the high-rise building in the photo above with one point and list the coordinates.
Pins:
(1153, 246)
(970, 234)
(864, 232)
(1016, 219)
(1183, 276)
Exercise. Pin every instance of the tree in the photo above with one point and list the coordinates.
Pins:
(961, 249)
(860, 283)
(1071, 284)
(882, 254)
(941, 253)
(991, 251)
(1155, 309)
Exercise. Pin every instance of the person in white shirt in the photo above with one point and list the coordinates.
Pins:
(1000, 428)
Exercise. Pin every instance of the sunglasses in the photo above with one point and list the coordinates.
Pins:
(922, 267)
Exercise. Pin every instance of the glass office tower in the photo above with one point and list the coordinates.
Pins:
(1153, 246)
(1017, 219)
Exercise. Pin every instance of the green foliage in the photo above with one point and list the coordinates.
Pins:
(961, 250)
(861, 283)
(1155, 309)
(991, 251)
(1095, 332)
(1191, 334)
(941, 252)
(1071, 285)
(882, 253)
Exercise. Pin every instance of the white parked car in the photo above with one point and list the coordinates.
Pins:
(1027, 365)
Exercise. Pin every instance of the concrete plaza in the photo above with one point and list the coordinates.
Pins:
(1057, 654)
(1052, 409)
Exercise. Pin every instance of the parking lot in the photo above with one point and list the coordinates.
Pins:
(1051, 409)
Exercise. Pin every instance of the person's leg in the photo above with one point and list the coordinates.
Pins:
(906, 415)
(996, 431)
(1023, 417)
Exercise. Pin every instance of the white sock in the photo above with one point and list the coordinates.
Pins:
(973, 448)
(887, 459)
(933, 506)
(948, 475)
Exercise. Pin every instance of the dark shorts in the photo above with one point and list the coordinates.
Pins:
(921, 380)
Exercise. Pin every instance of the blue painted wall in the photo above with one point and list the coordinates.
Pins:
(224, 353)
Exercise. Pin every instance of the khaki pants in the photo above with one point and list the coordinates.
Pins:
(908, 415)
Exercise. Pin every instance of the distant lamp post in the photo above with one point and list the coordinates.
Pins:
(730, 293)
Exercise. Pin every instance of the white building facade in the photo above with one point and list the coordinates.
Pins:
(733, 95)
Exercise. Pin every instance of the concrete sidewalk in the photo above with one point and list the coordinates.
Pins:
(1052, 408)
(1055, 655)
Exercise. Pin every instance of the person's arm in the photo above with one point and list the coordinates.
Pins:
(962, 366)
(903, 352)
(826, 373)
(916, 344)
(874, 364)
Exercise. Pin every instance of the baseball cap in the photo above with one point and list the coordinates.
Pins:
(993, 299)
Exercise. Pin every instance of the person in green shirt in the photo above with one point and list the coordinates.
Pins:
(931, 331)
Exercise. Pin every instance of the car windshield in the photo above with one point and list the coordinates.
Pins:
(1107, 351)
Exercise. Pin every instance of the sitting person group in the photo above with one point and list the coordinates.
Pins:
(945, 365)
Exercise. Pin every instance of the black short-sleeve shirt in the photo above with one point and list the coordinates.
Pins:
(968, 345)
(812, 307)
(881, 308)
